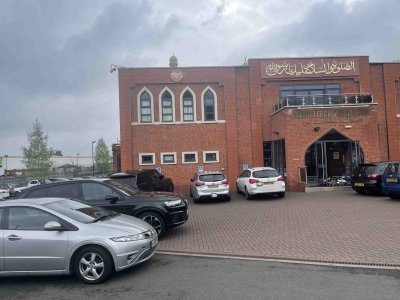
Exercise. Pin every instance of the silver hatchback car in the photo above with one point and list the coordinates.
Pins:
(211, 185)
(60, 236)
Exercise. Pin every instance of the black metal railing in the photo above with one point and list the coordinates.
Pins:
(324, 100)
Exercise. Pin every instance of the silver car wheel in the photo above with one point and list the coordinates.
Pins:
(91, 266)
(153, 221)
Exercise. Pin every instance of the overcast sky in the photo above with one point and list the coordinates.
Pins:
(55, 56)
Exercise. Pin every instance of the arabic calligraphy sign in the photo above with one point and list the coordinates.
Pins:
(329, 113)
(326, 67)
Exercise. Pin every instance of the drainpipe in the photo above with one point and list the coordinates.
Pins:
(386, 115)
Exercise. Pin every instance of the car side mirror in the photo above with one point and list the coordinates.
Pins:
(191, 179)
(52, 226)
(162, 177)
(112, 198)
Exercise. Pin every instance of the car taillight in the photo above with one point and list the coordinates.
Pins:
(280, 178)
(225, 182)
(200, 183)
(252, 181)
(374, 176)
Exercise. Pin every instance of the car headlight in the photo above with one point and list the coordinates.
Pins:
(173, 203)
(135, 237)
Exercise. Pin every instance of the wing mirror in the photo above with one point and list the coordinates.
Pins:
(191, 179)
(52, 226)
(112, 198)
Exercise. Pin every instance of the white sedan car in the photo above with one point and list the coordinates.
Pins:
(261, 180)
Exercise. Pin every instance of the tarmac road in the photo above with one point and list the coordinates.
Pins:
(186, 277)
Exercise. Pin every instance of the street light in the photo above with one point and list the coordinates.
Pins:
(92, 158)
(77, 158)
(5, 172)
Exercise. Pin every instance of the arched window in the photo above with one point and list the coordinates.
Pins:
(145, 108)
(188, 107)
(167, 108)
(209, 106)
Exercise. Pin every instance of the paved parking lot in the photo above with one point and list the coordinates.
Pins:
(331, 227)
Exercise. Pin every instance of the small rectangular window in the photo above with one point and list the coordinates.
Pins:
(168, 158)
(210, 156)
(146, 158)
(189, 157)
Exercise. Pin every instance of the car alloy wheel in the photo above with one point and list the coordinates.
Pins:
(93, 265)
(155, 220)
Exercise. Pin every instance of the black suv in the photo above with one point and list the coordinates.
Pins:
(161, 210)
(146, 180)
(367, 178)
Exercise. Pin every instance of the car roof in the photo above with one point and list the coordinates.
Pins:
(261, 168)
(40, 201)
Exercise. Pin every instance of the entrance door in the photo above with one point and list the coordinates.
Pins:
(332, 156)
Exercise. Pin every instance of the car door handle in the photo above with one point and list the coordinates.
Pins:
(14, 237)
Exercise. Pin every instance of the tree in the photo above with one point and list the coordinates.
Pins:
(37, 156)
(102, 158)
(54, 152)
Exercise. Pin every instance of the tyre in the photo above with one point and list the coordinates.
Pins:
(394, 196)
(93, 265)
(281, 194)
(247, 195)
(237, 189)
(155, 220)
(228, 198)
(191, 193)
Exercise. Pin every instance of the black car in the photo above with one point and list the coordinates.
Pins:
(161, 210)
(367, 178)
(146, 180)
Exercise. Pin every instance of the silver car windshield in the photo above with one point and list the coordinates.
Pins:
(122, 187)
(79, 211)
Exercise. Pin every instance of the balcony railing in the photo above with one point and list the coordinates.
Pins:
(324, 100)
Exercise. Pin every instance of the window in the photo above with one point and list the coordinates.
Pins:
(145, 108)
(167, 107)
(1, 217)
(168, 158)
(64, 191)
(210, 156)
(312, 94)
(209, 106)
(38, 193)
(188, 107)
(95, 191)
(189, 157)
(27, 218)
(146, 159)
(212, 177)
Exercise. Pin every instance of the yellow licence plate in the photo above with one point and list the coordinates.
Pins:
(270, 182)
(391, 180)
(213, 186)
(359, 184)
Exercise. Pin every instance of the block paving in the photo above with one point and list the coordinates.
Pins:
(330, 227)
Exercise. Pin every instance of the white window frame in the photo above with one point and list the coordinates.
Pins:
(167, 153)
(215, 104)
(160, 105)
(194, 105)
(210, 162)
(145, 154)
(190, 162)
(138, 105)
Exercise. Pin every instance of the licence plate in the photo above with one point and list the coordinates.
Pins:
(359, 184)
(391, 180)
(267, 183)
(154, 243)
(213, 186)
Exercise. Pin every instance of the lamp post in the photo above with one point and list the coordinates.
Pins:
(77, 158)
(5, 171)
(92, 158)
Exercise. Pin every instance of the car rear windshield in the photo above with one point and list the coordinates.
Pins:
(212, 177)
(265, 174)
(367, 169)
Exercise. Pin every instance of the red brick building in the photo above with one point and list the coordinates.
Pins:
(327, 114)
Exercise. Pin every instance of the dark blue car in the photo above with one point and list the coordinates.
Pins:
(391, 180)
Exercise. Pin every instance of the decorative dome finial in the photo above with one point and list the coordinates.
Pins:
(173, 61)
